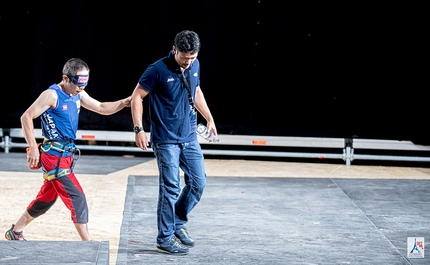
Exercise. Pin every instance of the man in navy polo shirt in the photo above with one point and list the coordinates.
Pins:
(173, 87)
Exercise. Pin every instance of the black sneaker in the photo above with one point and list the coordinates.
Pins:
(182, 234)
(173, 247)
(11, 235)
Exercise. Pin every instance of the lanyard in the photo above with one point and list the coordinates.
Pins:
(186, 80)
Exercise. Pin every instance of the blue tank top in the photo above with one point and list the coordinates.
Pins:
(61, 122)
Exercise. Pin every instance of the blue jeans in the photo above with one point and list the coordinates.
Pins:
(174, 205)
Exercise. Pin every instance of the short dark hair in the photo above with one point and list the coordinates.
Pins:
(187, 41)
(74, 65)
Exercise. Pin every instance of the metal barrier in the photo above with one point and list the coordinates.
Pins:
(230, 145)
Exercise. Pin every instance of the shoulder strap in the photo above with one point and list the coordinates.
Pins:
(186, 80)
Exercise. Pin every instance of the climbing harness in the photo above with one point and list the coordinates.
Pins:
(61, 146)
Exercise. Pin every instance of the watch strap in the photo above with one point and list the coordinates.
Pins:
(137, 129)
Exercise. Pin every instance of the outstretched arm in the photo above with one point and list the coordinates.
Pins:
(103, 108)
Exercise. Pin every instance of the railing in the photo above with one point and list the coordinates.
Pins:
(258, 146)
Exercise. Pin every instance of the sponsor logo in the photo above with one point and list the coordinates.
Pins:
(83, 79)
(415, 247)
(50, 126)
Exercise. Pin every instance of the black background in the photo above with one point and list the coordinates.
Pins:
(267, 67)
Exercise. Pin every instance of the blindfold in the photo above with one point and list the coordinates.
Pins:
(80, 80)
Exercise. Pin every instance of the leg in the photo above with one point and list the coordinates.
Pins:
(23, 221)
(192, 163)
(45, 198)
(72, 194)
(83, 231)
(169, 188)
(15, 232)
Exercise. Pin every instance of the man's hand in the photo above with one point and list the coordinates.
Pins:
(142, 140)
(127, 102)
(211, 128)
(33, 156)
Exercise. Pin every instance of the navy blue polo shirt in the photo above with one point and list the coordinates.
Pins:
(172, 119)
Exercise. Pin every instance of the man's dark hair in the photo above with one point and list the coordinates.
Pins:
(187, 41)
(72, 66)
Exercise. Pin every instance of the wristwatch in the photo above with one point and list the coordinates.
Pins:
(137, 129)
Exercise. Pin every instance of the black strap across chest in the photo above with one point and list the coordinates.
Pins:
(185, 78)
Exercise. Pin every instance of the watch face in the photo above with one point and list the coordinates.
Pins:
(137, 129)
